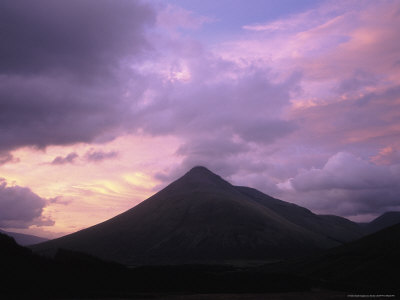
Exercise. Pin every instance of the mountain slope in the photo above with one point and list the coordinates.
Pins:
(198, 218)
(25, 239)
(335, 228)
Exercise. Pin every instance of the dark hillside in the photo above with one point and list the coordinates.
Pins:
(369, 265)
(385, 220)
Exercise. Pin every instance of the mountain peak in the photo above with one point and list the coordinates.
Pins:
(200, 169)
(201, 176)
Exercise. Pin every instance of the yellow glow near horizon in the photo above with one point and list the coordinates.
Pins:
(140, 179)
(84, 193)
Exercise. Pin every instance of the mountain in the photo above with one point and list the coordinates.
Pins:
(367, 265)
(385, 220)
(24, 239)
(201, 218)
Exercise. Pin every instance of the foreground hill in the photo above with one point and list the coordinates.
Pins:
(74, 275)
(201, 218)
(25, 239)
(29, 276)
(368, 265)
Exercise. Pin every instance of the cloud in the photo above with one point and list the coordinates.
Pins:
(387, 156)
(65, 68)
(69, 159)
(220, 97)
(348, 185)
(172, 17)
(59, 200)
(364, 121)
(90, 156)
(7, 158)
(21, 208)
(347, 102)
(220, 111)
(45, 104)
(295, 22)
(83, 38)
(97, 156)
(345, 171)
(298, 93)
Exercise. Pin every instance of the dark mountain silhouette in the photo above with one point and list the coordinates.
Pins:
(24, 239)
(369, 265)
(201, 218)
(385, 220)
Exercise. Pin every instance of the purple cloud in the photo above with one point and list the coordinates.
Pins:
(78, 38)
(348, 185)
(221, 114)
(63, 69)
(20, 207)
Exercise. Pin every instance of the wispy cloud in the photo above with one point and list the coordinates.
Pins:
(173, 17)
(97, 156)
(69, 159)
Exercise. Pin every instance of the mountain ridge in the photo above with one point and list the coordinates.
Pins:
(24, 239)
(385, 220)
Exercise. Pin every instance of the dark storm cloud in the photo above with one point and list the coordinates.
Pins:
(20, 207)
(63, 68)
(97, 156)
(69, 159)
(81, 37)
(42, 111)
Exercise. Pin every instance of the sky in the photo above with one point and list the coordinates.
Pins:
(105, 102)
